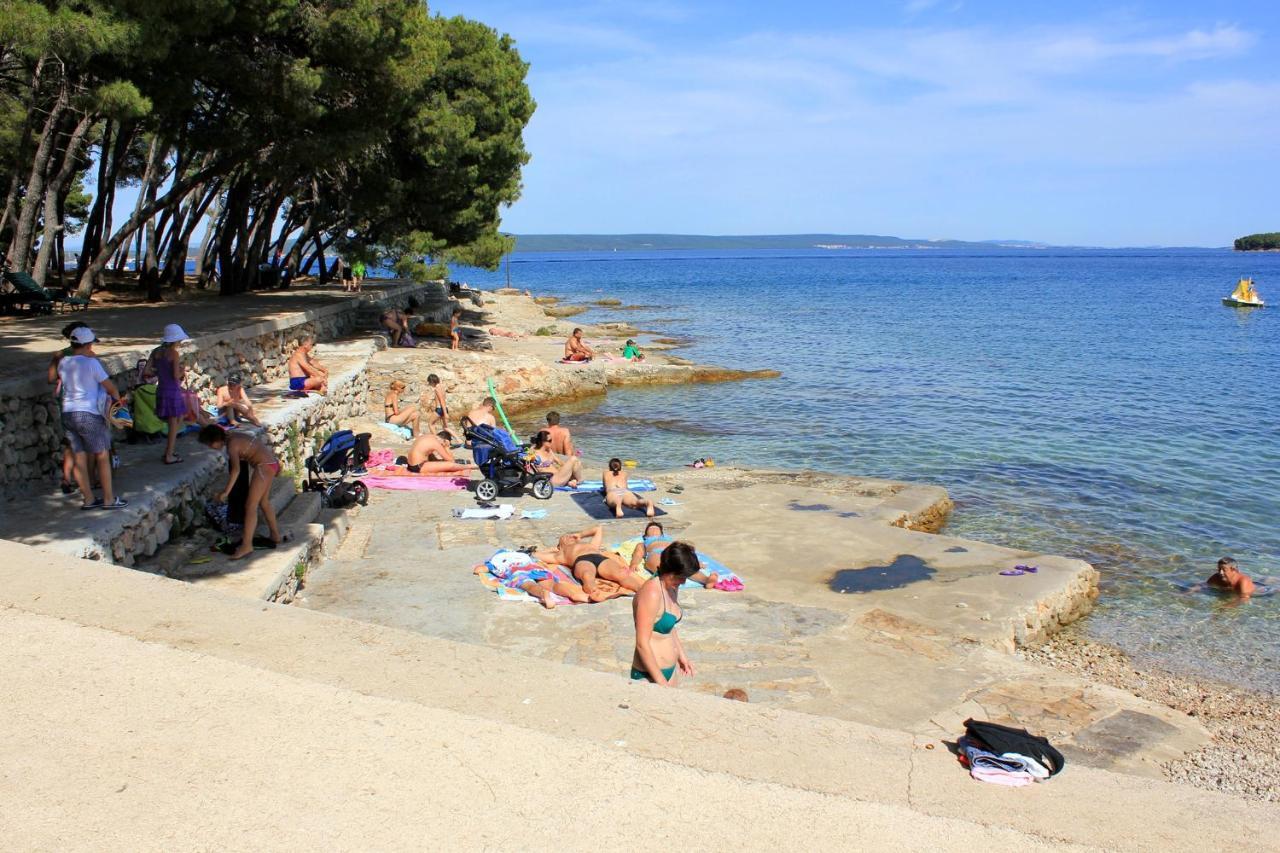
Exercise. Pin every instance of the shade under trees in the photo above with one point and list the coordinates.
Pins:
(247, 127)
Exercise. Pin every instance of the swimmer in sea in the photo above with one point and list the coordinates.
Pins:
(1229, 578)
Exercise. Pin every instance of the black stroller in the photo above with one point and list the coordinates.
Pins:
(503, 464)
(342, 454)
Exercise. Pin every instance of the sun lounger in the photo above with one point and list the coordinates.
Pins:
(41, 298)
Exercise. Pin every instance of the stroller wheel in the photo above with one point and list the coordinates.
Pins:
(542, 489)
(360, 492)
(486, 490)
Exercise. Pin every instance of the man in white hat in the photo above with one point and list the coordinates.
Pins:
(85, 390)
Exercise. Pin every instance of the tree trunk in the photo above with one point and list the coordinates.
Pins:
(11, 197)
(33, 199)
(53, 195)
(176, 191)
(210, 232)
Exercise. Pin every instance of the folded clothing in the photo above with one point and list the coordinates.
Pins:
(378, 458)
(639, 484)
(1003, 740)
(1010, 769)
(500, 511)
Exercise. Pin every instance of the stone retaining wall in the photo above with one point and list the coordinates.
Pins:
(30, 428)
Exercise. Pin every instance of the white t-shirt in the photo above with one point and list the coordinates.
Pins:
(82, 377)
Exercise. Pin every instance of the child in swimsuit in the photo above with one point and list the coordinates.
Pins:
(657, 612)
(248, 450)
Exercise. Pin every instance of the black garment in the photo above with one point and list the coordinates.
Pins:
(593, 559)
(1001, 739)
(239, 496)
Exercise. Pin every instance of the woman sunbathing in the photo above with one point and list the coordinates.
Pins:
(398, 414)
(564, 471)
(617, 494)
(429, 454)
(583, 555)
(543, 582)
(649, 553)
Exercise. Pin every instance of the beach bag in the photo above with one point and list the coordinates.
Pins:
(1001, 739)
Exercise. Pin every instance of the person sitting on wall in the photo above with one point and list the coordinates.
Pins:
(233, 404)
(305, 372)
(576, 350)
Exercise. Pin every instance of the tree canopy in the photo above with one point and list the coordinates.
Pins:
(1258, 242)
(369, 126)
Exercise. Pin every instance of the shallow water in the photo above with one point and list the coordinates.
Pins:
(1099, 404)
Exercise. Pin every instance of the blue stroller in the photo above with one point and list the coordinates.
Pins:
(503, 464)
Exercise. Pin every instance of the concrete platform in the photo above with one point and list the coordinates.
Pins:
(903, 655)
(163, 716)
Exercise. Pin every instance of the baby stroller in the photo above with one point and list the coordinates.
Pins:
(343, 453)
(503, 464)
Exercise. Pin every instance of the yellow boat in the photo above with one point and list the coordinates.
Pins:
(1244, 296)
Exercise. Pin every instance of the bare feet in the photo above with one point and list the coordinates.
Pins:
(617, 511)
(242, 551)
(649, 510)
(549, 599)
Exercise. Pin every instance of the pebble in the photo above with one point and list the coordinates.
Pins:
(1243, 758)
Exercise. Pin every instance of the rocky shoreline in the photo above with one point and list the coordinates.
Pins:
(1244, 756)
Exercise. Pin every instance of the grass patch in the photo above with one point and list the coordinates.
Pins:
(546, 331)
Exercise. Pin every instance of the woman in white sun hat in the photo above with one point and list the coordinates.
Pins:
(171, 401)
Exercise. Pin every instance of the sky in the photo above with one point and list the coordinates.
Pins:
(1083, 123)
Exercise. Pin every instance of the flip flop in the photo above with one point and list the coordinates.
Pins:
(173, 461)
(1031, 570)
(95, 505)
(1012, 573)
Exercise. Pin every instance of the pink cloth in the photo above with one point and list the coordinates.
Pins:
(1007, 778)
(378, 458)
(415, 483)
(729, 585)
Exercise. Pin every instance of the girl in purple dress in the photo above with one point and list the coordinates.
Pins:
(171, 401)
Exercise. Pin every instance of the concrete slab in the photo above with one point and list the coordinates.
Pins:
(163, 715)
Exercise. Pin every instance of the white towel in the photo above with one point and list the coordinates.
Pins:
(499, 512)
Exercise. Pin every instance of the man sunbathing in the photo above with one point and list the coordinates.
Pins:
(561, 440)
(483, 413)
(429, 454)
(305, 372)
(576, 350)
(583, 555)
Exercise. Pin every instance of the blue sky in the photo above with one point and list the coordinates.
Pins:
(1084, 123)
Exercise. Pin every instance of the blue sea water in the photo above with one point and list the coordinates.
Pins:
(1099, 404)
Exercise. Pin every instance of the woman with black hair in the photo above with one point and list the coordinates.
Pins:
(657, 612)
(564, 472)
(618, 494)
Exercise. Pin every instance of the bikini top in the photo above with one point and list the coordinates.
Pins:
(652, 540)
(668, 621)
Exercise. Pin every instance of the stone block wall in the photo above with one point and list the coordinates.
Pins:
(30, 428)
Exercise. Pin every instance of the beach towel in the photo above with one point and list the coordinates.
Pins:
(402, 431)
(639, 484)
(415, 483)
(729, 581)
(509, 570)
(592, 503)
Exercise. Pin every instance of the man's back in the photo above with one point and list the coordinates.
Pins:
(561, 442)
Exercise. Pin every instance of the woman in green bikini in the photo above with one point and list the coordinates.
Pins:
(657, 612)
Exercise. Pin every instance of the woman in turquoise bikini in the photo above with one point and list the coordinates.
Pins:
(648, 553)
(657, 612)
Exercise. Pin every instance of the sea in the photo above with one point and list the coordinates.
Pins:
(1101, 404)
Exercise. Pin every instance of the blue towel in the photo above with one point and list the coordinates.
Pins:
(402, 431)
(636, 485)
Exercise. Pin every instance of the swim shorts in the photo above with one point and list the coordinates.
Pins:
(86, 432)
(297, 383)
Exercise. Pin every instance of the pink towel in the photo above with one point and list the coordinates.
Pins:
(417, 484)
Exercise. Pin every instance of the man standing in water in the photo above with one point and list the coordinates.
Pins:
(1229, 577)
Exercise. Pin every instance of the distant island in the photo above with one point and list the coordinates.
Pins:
(660, 242)
(1259, 242)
